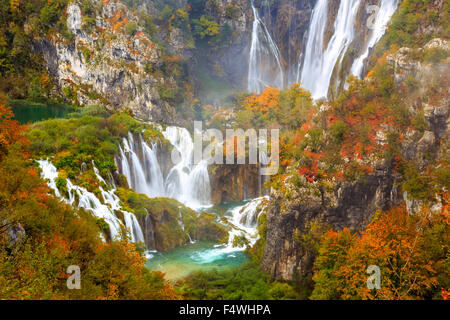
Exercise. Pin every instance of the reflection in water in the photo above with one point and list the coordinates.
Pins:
(25, 111)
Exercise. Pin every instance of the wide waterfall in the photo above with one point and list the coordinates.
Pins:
(265, 69)
(319, 63)
(384, 14)
(81, 197)
(186, 182)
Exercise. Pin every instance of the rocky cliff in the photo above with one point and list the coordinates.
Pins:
(106, 64)
(235, 183)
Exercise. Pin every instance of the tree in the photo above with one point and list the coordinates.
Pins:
(411, 251)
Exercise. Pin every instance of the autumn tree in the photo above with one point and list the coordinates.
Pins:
(410, 250)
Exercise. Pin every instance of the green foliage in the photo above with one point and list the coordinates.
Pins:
(88, 19)
(205, 27)
(435, 55)
(410, 17)
(22, 68)
(416, 184)
(131, 28)
(243, 283)
(168, 215)
(338, 130)
(81, 140)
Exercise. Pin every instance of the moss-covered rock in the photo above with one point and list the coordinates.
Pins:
(205, 227)
(167, 223)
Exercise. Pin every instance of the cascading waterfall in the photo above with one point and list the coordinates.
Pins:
(91, 202)
(186, 182)
(384, 14)
(265, 69)
(244, 220)
(143, 173)
(319, 64)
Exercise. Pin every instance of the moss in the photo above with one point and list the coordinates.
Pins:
(205, 227)
(240, 241)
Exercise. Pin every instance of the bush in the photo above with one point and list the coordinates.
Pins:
(131, 28)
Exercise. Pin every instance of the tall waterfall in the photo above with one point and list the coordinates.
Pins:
(319, 64)
(81, 197)
(265, 68)
(384, 14)
(139, 164)
(186, 182)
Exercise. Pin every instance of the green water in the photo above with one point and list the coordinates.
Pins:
(178, 263)
(26, 111)
(200, 256)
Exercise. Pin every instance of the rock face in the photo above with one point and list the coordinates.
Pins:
(350, 206)
(235, 183)
(15, 236)
(407, 67)
(107, 66)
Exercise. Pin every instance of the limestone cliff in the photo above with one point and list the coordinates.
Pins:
(107, 65)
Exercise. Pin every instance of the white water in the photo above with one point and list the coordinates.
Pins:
(143, 173)
(186, 182)
(265, 69)
(244, 220)
(319, 64)
(91, 202)
(385, 12)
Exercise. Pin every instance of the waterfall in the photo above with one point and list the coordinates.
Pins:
(139, 164)
(245, 220)
(186, 182)
(265, 69)
(384, 14)
(91, 202)
(319, 64)
(244, 223)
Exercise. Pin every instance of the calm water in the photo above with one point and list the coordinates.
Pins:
(178, 263)
(25, 111)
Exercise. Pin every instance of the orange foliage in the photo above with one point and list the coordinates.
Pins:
(267, 100)
(10, 130)
(396, 242)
